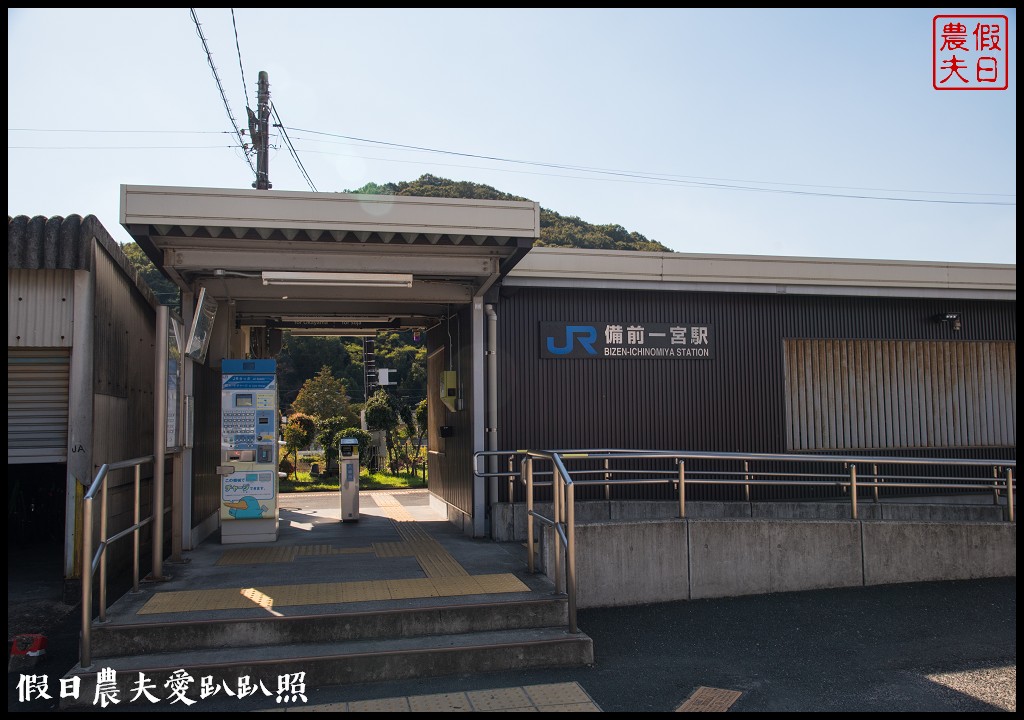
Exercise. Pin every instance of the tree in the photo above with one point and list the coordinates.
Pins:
(382, 415)
(328, 432)
(298, 434)
(364, 443)
(420, 432)
(323, 396)
(166, 291)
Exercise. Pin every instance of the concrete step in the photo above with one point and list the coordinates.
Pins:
(339, 663)
(113, 640)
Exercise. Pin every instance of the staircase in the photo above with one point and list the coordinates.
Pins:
(400, 594)
(337, 649)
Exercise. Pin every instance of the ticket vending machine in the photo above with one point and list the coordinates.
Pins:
(248, 467)
(348, 479)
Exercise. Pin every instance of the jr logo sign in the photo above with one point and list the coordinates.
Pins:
(618, 339)
(584, 335)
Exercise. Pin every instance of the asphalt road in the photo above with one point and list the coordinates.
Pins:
(918, 647)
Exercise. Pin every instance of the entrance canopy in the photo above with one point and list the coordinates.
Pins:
(323, 262)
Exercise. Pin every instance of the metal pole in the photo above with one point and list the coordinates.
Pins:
(103, 553)
(746, 476)
(263, 150)
(853, 490)
(570, 554)
(1010, 514)
(874, 469)
(682, 489)
(527, 470)
(511, 483)
(995, 486)
(556, 514)
(135, 535)
(159, 440)
(85, 651)
(607, 477)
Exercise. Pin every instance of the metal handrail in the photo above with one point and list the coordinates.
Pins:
(91, 562)
(563, 487)
(873, 480)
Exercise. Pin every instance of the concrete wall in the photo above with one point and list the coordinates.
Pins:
(508, 520)
(634, 563)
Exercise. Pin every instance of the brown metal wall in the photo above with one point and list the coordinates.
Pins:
(886, 394)
(450, 472)
(734, 402)
(206, 443)
(123, 368)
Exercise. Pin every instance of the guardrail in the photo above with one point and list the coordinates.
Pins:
(564, 484)
(92, 562)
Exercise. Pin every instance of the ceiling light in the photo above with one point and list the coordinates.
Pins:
(337, 279)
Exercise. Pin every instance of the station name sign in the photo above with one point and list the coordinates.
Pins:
(673, 341)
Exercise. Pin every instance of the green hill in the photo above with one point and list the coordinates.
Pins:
(556, 230)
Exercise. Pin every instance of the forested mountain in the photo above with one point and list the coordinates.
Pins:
(302, 357)
(556, 230)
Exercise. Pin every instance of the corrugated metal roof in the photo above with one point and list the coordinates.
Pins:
(65, 243)
(54, 243)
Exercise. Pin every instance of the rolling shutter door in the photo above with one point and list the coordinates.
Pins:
(37, 405)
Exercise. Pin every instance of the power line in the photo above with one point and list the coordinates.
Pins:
(245, 85)
(220, 87)
(120, 147)
(668, 179)
(291, 147)
(79, 130)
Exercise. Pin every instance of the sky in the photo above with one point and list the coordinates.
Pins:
(814, 133)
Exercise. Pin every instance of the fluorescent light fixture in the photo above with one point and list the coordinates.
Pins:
(337, 279)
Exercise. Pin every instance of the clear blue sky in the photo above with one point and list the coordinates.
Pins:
(814, 101)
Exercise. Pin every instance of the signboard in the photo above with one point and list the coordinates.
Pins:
(636, 340)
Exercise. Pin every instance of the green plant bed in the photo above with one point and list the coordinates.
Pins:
(367, 481)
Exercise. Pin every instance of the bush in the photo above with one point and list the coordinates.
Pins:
(286, 465)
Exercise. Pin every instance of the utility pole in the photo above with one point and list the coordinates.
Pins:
(259, 128)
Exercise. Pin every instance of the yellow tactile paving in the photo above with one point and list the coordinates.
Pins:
(415, 588)
(393, 549)
(500, 583)
(260, 556)
(274, 596)
(708, 699)
(248, 556)
(316, 550)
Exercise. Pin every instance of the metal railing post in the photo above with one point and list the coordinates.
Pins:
(874, 469)
(1010, 513)
(103, 554)
(511, 482)
(995, 485)
(746, 476)
(607, 477)
(570, 553)
(85, 658)
(682, 489)
(853, 490)
(135, 534)
(556, 515)
(527, 470)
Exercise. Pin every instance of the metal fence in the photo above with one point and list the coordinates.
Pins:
(608, 467)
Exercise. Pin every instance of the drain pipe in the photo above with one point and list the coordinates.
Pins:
(492, 399)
